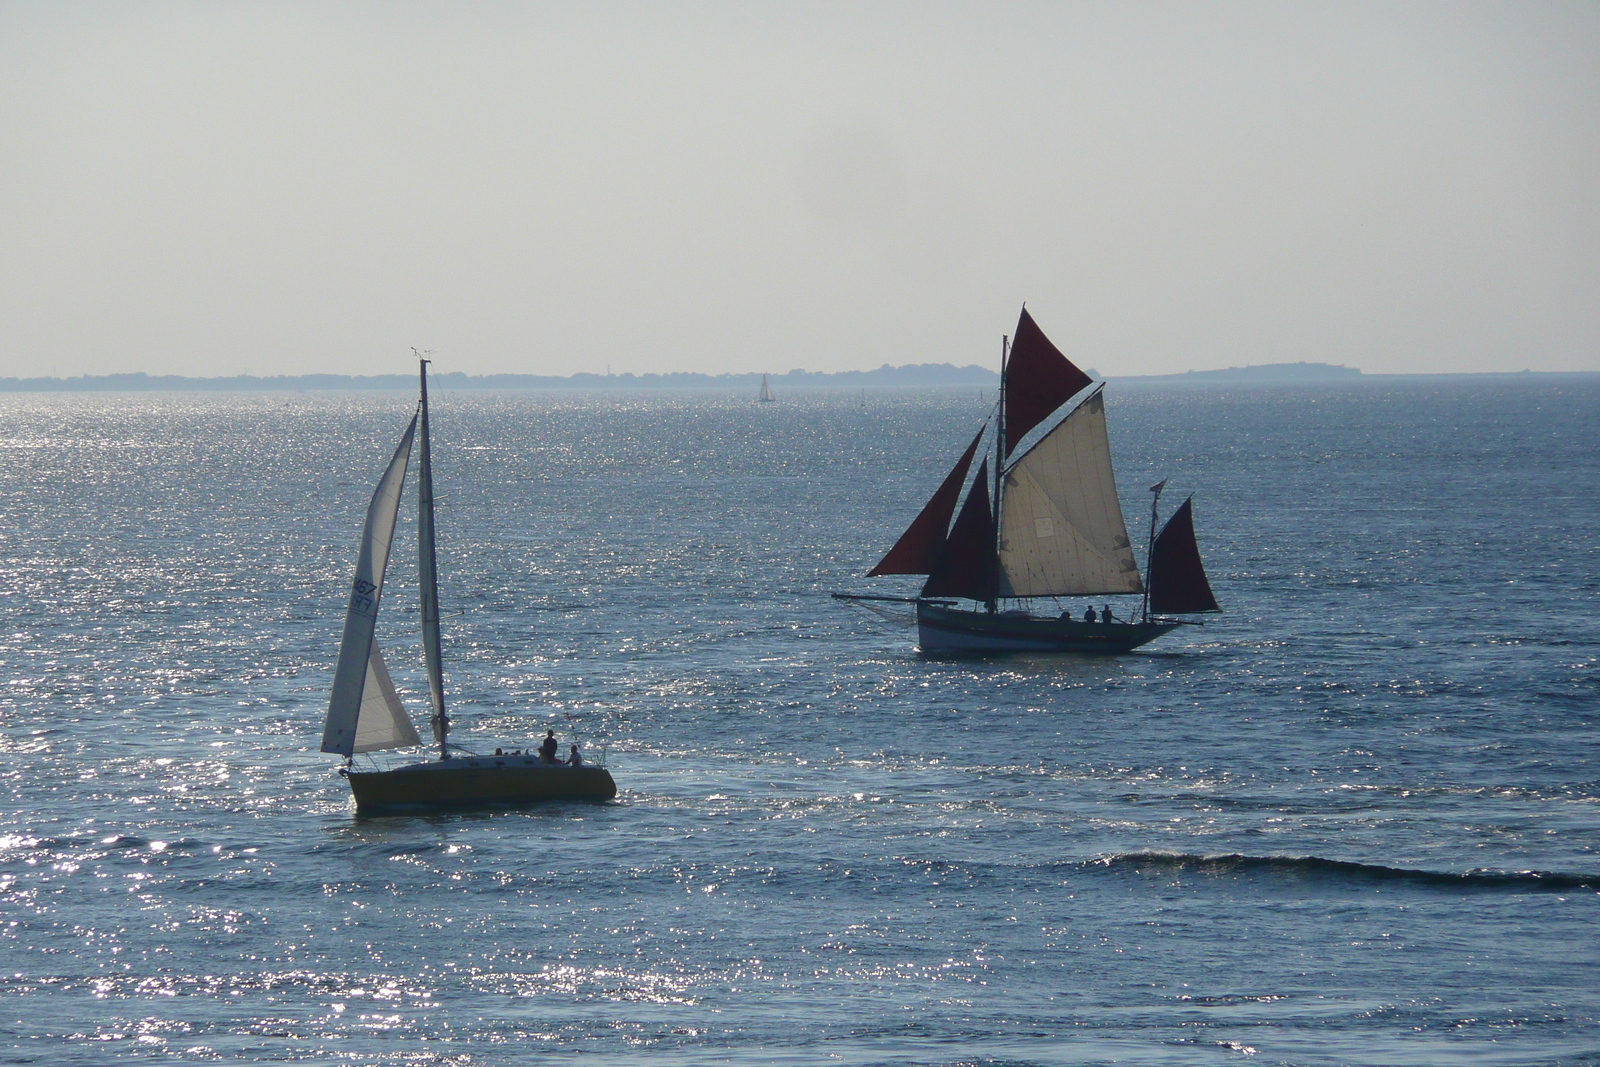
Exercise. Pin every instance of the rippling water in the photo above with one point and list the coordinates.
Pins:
(1353, 820)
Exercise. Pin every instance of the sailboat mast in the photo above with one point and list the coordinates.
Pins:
(1150, 549)
(999, 466)
(428, 576)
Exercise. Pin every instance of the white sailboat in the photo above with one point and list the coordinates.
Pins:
(364, 710)
(766, 391)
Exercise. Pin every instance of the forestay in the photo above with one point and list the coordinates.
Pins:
(1061, 526)
(356, 648)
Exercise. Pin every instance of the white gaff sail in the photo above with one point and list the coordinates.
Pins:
(1061, 526)
(356, 649)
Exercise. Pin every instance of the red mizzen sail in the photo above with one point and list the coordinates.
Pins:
(1178, 583)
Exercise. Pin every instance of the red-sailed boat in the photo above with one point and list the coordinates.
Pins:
(1052, 527)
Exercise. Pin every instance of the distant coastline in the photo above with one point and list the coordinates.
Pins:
(907, 376)
(1261, 372)
(910, 375)
(1320, 373)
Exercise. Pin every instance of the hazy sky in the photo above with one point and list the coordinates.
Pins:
(211, 188)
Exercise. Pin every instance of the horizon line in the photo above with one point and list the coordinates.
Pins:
(910, 374)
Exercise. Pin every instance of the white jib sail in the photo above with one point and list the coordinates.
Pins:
(382, 722)
(1061, 526)
(355, 649)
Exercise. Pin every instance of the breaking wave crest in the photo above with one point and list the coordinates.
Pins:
(1317, 866)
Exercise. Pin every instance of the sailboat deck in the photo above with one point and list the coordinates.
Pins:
(478, 780)
(951, 631)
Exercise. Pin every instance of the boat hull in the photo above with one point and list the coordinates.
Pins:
(949, 631)
(475, 782)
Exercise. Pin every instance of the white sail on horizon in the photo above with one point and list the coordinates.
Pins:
(1061, 527)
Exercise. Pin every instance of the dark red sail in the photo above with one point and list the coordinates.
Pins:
(966, 567)
(1178, 583)
(1039, 379)
(918, 548)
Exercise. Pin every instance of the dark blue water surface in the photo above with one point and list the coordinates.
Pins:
(1354, 820)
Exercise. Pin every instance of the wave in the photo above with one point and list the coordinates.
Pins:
(1317, 866)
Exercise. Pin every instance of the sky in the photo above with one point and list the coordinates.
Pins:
(287, 188)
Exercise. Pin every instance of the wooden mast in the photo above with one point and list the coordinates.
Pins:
(428, 568)
(999, 467)
(1150, 549)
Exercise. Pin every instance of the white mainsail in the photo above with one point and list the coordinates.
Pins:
(1061, 526)
(382, 722)
(356, 649)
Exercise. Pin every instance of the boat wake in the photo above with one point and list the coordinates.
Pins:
(1318, 867)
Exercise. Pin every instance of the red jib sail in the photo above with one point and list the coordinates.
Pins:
(1178, 583)
(966, 567)
(1039, 379)
(917, 551)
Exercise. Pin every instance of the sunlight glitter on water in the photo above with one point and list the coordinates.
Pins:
(1297, 831)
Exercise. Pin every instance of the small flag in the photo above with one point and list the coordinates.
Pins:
(1162, 484)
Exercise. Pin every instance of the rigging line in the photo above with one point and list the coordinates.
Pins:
(999, 470)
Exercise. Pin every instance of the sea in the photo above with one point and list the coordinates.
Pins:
(1354, 819)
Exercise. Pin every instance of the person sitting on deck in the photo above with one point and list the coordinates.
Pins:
(1105, 615)
(574, 760)
(548, 747)
(1088, 615)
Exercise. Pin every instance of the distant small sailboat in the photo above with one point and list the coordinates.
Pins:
(766, 391)
(364, 711)
(1054, 528)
